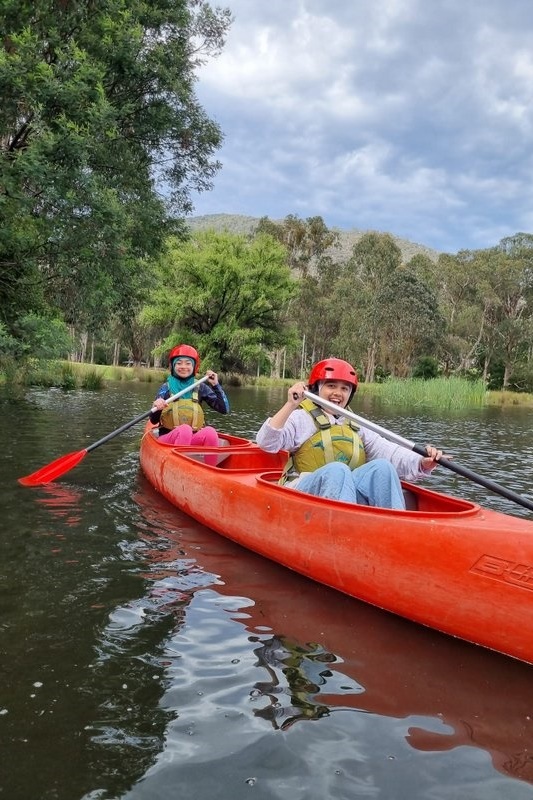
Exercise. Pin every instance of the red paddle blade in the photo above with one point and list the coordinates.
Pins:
(53, 470)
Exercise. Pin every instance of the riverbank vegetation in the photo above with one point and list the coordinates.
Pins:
(99, 267)
(444, 393)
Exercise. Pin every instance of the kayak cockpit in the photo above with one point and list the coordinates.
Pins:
(417, 498)
(240, 457)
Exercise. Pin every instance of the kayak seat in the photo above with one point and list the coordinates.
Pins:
(238, 458)
(224, 441)
(411, 502)
(196, 454)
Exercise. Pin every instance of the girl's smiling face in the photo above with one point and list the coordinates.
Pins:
(183, 367)
(336, 392)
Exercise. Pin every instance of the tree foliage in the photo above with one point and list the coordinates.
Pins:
(409, 323)
(487, 298)
(374, 261)
(310, 247)
(306, 241)
(98, 109)
(43, 337)
(224, 293)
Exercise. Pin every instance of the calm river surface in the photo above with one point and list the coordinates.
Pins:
(145, 657)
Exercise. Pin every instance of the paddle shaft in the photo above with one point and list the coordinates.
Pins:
(146, 414)
(421, 450)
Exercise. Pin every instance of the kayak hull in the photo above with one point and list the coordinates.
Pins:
(445, 562)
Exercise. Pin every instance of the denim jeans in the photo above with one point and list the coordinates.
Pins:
(375, 483)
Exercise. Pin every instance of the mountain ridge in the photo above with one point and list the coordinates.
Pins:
(242, 224)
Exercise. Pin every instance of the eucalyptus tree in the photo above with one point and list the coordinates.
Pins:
(226, 294)
(425, 269)
(486, 297)
(306, 240)
(410, 323)
(464, 298)
(310, 247)
(99, 113)
(374, 261)
(511, 281)
(315, 312)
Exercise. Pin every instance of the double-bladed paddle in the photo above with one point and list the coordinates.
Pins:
(56, 468)
(421, 450)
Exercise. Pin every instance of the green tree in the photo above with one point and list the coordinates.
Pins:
(42, 337)
(306, 241)
(10, 348)
(409, 322)
(510, 321)
(374, 261)
(225, 294)
(315, 312)
(487, 299)
(424, 268)
(463, 301)
(98, 111)
(310, 246)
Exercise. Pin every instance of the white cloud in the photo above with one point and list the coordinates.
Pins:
(398, 115)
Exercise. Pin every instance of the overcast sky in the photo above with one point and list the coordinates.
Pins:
(413, 117)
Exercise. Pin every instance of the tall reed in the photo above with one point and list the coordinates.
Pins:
(92, 380)
(437, 392)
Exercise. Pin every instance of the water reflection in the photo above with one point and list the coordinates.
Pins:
(292, 698)
(145, 656)
(450, 694)
(62, 502)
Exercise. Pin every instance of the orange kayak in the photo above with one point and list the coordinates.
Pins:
(445, 562)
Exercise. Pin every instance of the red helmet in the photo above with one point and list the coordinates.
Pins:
(185, 351)
(333, 369)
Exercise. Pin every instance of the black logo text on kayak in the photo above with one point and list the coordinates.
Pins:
(507, 571)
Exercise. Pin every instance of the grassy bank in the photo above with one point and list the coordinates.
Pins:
(127, 374)
(446, 393)
(72, 375)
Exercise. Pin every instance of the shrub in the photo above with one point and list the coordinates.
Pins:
(10, 348)
(68, 377)
(426, 368)
(92, 380)
(380, 374)
(43, 337)
(521, 379)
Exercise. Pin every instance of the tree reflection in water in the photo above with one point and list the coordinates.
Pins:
(296, 674)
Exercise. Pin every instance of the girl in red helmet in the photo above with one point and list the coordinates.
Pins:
(330, 456)
(182, 422)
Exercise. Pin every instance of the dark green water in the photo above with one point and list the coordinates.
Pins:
(145, 657)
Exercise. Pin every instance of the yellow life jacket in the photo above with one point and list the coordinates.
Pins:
(183, 412)
(329, 443)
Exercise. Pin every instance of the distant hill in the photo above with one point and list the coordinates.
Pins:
(237, 223)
